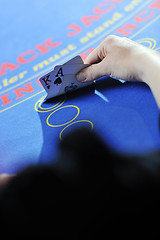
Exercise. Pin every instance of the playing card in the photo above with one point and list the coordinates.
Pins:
(65, 79)
(75, 60)
(62, 79)
(55, 84)
(46, 79)
(70, 84)
(69, 68)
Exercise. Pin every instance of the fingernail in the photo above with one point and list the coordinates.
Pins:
(81, 77)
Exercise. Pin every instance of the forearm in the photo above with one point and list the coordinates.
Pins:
(150, 73)
(125, 59)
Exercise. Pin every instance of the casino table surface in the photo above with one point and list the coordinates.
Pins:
(37, 35)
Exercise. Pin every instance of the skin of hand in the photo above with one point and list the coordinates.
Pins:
(122, 58)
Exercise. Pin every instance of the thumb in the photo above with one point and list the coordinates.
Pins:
(91, 73)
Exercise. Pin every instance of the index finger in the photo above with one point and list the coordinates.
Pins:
(93, 57)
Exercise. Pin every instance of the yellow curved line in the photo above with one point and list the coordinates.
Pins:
(39, 102)
(20, 102)
(54, 106)
(152, 42)
(60, 135)
(75, 53)
(157, 49)
(60, 125)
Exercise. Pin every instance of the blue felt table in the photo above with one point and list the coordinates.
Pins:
(37, 35)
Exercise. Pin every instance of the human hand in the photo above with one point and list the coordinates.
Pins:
(118, 57)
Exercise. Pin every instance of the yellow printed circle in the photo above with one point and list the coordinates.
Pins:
(79, 121)
(151, 41)
(39, 102)
(60, 125)
(157, 49)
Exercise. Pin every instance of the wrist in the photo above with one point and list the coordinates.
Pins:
(150, 72)
(149, 66)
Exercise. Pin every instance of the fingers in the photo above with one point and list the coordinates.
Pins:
(97, 68)
(93, 57)
(92, 72)
(115, 56)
